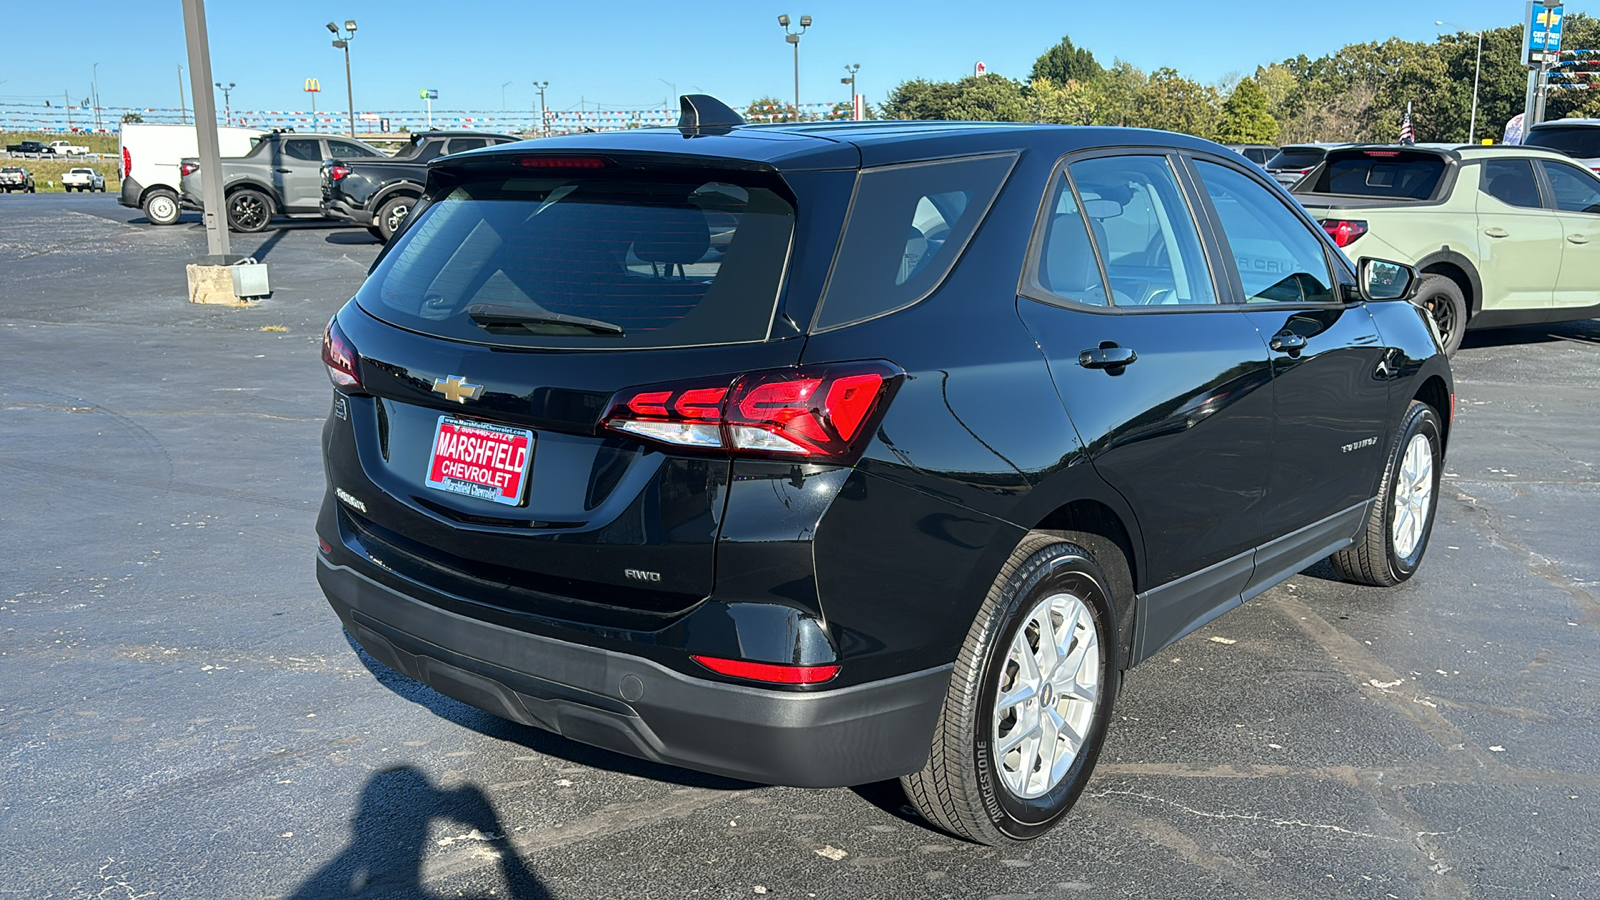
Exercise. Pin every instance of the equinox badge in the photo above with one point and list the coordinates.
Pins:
(457, 388)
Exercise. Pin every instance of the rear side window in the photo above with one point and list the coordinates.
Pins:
(349, 149)
(303, 149)
(1394, 174)
(1296, 158)
(461, 145)
(1511, 182)
(1581, 141)
(908, 225)
(1575, 190)
(596, 263)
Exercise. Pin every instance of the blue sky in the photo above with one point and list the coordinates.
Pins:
(619, 53)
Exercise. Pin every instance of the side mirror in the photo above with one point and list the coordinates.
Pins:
(1381, 279)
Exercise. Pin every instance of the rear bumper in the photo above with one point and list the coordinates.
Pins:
(340, 209)
(631, 705)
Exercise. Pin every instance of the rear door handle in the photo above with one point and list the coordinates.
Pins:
(1497, 232)
(1287, 342)
(1577, 239)
(284, 171)
(1107, 358)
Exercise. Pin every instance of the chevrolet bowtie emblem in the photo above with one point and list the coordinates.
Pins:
(457, 388)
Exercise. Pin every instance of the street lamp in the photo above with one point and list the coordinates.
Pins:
(671, 86)
(503, 96)
(544, 116)
(1472, 130)
(793, 37)
(343, 43)
(227, 105)
(851, 80)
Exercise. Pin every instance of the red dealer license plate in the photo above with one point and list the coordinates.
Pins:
(480, 459)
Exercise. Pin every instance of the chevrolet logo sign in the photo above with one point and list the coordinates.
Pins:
(457, 388)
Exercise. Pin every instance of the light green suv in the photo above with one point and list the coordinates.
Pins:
(1505, 235)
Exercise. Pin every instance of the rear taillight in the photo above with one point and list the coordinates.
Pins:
(820, 413)
(337, 173)
(1344, 231)
(768, 672)
(127, 163)
(339, 355)
(187, 169)
(563, 162)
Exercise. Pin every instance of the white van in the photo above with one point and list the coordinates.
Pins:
(150, 155)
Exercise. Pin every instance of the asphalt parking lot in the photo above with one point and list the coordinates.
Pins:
(181, 715)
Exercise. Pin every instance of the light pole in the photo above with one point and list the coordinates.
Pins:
(544, 117)
(793, 37)
(227, 106)
(183, 105)
(1477, 70)
(851, 80)
(1540, 89)
(343, 43)
(673, 87)
(503, 96)
(94, 93)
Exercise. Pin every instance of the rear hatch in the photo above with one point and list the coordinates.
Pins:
(1376, 177)
(492, 335)
(1581, 142)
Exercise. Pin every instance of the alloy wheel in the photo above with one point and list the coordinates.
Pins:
(1413, 496)
(1049, 688)
(249, 212)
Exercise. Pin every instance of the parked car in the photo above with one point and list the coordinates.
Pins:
(280, 176)
(1503, 235)
(748, 454)
(84, 179)
(1293, 161)
(1577, 138)
(28, 147)
(150, 158)
(67, 148)
(16, 178)
(1256, 153)
(379, 193)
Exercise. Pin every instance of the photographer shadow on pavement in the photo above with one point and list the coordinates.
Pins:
(389, 834)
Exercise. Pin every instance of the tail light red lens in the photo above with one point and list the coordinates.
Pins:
(127, 163)
(821, 413)
(188, 168)
(768, 672)
(1344, 231)
(563, 162)
(337, 173)
(339, 355)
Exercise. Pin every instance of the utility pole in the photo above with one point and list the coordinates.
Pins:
(544, 111)
(69, 109)
(205, 117)
(183, 105)
(94, 93)
(343, 43)
(793, 37)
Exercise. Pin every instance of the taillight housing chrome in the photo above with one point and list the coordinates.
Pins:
(819, 413)
(1344, 231)
(188, 168)
(337, 173)
(339, 355)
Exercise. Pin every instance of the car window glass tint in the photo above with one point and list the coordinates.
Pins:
(1278, 257)
(348, 149)
(1067, 267)
(1145, 231)
(1575, 189)
(1511, 182)
(1398, 174)
(303, 149)
(1296, 158)
(460, 145)
(907, 227)
(1581, 141)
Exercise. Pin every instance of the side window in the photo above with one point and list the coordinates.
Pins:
(1066, 262)
(1575, 189)
(1145, 231)
(1278, 257)
(460, 145)
(308, 150)
(907, 226)
(1511, 182)
(347, 149)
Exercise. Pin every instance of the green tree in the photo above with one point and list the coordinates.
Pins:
(1245, 119)
(920, 99)
(1171, 102)
(981, 98)
(1065, 62)
(769, 109)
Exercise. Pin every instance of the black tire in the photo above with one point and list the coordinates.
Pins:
(373, 230)
(1442, 299)
(963, 788)
(391, 215)
(249, 210)
(1374, 558)
(161, 208)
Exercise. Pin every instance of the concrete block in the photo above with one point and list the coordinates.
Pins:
(213, 284)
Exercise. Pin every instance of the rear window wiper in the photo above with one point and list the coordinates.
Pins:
(503, 317)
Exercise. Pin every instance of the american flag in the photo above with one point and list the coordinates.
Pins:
(1408, 135)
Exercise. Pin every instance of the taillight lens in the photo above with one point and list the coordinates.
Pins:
(1344, 231)
(768, 672)
(820, 413)
(187, 169)
(563, 162)
(337, 173)
(127, 163)
(339, 355)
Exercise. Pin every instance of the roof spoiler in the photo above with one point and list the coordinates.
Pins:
(705, 114)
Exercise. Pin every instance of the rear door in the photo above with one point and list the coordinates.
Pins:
(1576, 193)
(1519, 238)
(1169, 389)
(296, 173)
(1330, 374)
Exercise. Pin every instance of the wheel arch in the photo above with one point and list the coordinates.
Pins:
(1459, 269)
(394, 189)
(1434, 392)
(234, 187)
(1106, 524)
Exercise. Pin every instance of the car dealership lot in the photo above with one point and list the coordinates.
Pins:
(182, 717)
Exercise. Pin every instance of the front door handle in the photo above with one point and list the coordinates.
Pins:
(1287, 342)
(1577, 239)
(284, 171)
(1113, 358)
(1497, 232)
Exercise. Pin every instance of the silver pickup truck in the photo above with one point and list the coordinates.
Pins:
(281, 175)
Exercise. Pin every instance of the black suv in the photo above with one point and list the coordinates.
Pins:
(825, 454)
(379, 193)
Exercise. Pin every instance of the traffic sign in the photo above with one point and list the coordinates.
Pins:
(428, 94)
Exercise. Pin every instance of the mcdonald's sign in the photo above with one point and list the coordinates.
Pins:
(313, 86)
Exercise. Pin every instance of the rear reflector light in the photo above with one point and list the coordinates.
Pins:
(339, 355)
(563, 162)
(822, 413)
(324, 546)
(1383, 153)
(336, 173)
(768, 672)
(127, 163)
(188, 168)
(1452, 409)
(1344, 231)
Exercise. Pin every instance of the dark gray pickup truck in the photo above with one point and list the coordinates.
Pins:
(379, 193)
(279, 176)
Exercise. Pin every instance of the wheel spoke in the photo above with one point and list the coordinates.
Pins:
(1009, 742)
(1047, 655)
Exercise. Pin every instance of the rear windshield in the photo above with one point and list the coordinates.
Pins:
(591, 263)
(1297, 158)
(1395, 174)
(1580, 141)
